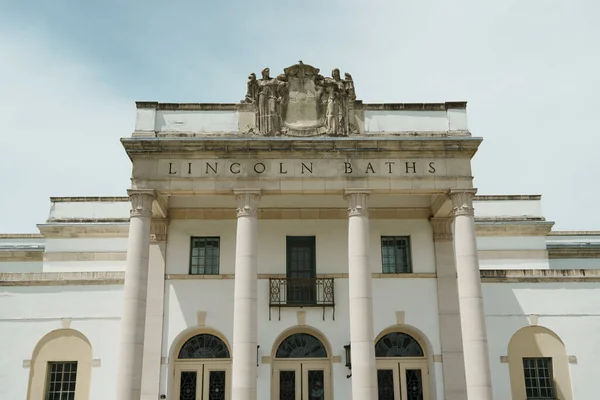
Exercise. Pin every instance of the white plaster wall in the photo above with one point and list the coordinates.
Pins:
(508, 208)
(83, 266)
(405, 120)
(537, 263)
(21, 266)
(457, 119)
(29, 313)
(575, 263)
(511, 243)
(87, 245)
(186, 297)
(206, 122)
(331, 243)
(90, 209)
(568, 309)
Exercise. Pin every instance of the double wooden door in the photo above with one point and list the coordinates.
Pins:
(293, 380)
(206, 381)
(402, 380)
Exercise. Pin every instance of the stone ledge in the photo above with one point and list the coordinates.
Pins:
(21, 236)
(574, 233)
(507, 197)
(358, 105)
(62, 278)
(89, 199)
(574, 251)
(21, 255)
(540, 275)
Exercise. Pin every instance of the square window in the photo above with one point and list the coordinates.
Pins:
(204, 256)
(395, 255)
(539, 382)
(61, 380)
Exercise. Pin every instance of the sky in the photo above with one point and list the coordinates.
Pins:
(71, 71)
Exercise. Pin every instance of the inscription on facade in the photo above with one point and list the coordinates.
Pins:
(285, 168)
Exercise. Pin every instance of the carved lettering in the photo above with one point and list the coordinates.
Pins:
(307, 168)
(389, 164)
(347, 168)
(281, 171)
(189, 168)
(431, 167)
(171, 172)
(369, 167)
(237, 171)
(261, 169)
(413, 167)
(208, 166)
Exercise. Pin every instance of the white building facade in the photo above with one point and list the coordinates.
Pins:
(299, 245)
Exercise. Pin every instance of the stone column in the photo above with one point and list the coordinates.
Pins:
(131, 343)
(475, 347)
(245, 329)
(364, 374)
(154, 310)
(453, 365)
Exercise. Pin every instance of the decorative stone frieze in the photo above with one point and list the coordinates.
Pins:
(358, 202)
(247, 202)
(462, 201)
(141, 202)
(442, 229)
(158, 230)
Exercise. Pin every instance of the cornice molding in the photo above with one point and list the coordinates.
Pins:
(574, 252)
(62, 278)
(540, 275)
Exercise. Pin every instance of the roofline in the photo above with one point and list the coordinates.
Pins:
(574, 233)
(85, 199)
(21, 236)
(498, 197)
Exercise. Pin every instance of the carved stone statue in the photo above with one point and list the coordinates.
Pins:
(300, 102)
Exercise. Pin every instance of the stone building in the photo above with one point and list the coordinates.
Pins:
(296, 245)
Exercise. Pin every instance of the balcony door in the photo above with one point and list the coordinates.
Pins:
(301, 270)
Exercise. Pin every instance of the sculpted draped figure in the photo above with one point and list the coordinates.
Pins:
(301, 102)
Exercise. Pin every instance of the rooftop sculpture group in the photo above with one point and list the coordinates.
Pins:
(301, 102)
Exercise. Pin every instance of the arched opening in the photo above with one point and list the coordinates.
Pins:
(202, 369)
(61, 366)
(301, 367)
(538, 365)
(402, 371)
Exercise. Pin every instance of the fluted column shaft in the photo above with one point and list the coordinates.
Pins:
(245, 330)
(364, 375)
(131, 343)
(475, 346)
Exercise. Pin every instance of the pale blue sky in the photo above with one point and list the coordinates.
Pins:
(70, 72)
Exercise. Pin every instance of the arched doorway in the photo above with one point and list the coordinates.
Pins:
(202, 369)
(301, 369)
(402, 372)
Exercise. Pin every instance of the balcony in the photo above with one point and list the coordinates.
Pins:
(301, 292)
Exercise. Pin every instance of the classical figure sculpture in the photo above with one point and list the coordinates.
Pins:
(301, 102)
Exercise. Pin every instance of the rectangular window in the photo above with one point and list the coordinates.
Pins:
(204, 257)
(395, 254)
(301, 271)
(60, 384)
(539, 382)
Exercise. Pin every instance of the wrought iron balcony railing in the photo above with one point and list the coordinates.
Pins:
(301, 292)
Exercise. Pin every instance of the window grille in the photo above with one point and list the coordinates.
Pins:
(61, 381)
(395, 254)
(539, 382)
(204, 256)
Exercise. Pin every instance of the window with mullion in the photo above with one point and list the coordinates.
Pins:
(61, 380)
(539, 380)
(204, 256)
(395, 254)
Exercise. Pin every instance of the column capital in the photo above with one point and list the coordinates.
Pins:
(158, 230)
(141, 202)
(442, 229)
(247, 202)
(462, 201)
(358, 202)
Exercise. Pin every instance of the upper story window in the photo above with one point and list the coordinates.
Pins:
(204, 256)
(539, 381)
(395, 254)
(61, 381)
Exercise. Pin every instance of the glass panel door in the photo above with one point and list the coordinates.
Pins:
(413, 381)
(388, 381)
(216, 382)
(188, 383)
(301, 270)
(314, 381)
(288, 384)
